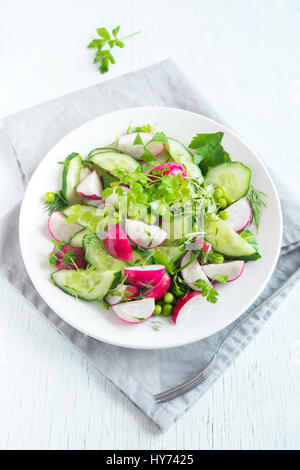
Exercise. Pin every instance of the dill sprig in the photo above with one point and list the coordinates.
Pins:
(257, 202)
(58, 204)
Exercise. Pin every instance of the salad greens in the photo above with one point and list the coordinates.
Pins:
(148, 240)
(102, 55)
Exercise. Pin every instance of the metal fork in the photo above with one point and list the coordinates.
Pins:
(207, 370)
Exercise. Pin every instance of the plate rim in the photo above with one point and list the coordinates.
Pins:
(178, 343)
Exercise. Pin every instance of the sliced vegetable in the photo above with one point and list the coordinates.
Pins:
(71, 178)
(85, 215)
(172, 168)
(126, 144)
(233, 177)
(117, 244)
(136, 311)
(239, 215)
(232, 269)
(161, 158)
(77, 239)
(184, 305)
(226, 241)
(159, 290)
(192, 272)
(59, 229)
(85, 171)
(144, 276)
(114, 198)
(122, 292)
(168, 256)
(86, 284)
(97, 256)
(70, 257)
(182, 155)
(112, 161)
(90, 187)
(144, 235)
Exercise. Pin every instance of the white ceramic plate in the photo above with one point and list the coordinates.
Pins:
(91, 318)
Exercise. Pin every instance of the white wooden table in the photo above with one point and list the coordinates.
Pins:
(245, 57)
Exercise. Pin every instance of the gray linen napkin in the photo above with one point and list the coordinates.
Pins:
(139, 374)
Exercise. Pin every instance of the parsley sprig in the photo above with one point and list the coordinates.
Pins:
(207, 290)
(102, 55)
(58, 254)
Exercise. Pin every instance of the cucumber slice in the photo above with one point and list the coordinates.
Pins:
(226, 241)
(86, 284)
(234, 177)
(96, 255)
(182, 155)
(76, 240)
(163, 157)
(71, 178)
(168, 256)
(85, 215)
(111, 161)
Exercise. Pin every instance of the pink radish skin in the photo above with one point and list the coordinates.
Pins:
(158, 291)
(125, 144)
(193, 272)
(86, 171)
(59, 230)
(144, 235)
(184, 304)
(239, 215)
(232, 269)
(113, 199)
(127, 293)
(90, 187)
(78, 255)
(142, 276)
(172, 168)
(117, 244)
(136, 311)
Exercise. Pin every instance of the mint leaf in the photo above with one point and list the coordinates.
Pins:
(103, 33)
(138, 140)
(147, 156)
(202, 139)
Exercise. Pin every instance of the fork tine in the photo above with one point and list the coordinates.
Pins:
(186, 386)
(182, 391)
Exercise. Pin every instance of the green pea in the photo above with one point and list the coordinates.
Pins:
(157, 309)
(168, 298)
(167, 310)
(222, 203)
(49, 197)
(219, 192)
(223, 215)
(195, 227)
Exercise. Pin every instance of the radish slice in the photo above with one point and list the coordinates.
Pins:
(240, 215)
(184, 305)
(192, 272)
(167, 168)
(91, 187)
(125, 144)
(144, 276)
(117, 244)
(232, 269)
(158, 291)
(136, 311)
(127, 292)
(199, 245)
(113, 199)
(59, 229)
(78, 254)
(86, 171)
(95, 202)
(144, 235)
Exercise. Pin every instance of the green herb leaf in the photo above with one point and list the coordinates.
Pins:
(103, 33)
(143, 128)
(138, 140)
(220, 278)
(209, 151)
(116, 30)
(250, 238)
(257, 202)
(147, 156)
